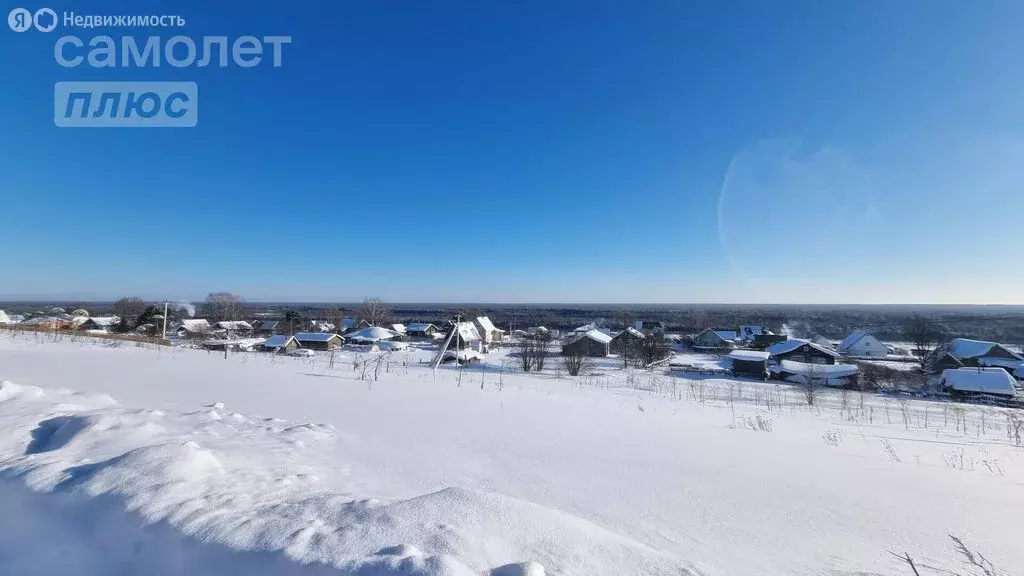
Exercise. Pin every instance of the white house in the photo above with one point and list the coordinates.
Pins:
(861, 344)
(488, 331)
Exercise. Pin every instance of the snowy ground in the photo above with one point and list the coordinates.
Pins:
(164, 461)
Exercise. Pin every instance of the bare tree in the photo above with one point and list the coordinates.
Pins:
(222, 306)
(813, 380)
(374, 311)
(651, 349)
(924, 335)
(526, 354)
(128, 309)
(575, 361)
(540, 351)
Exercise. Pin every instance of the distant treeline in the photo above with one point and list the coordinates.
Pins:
(998, 323)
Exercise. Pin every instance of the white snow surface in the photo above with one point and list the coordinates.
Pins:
(750, 355)
(263, 464)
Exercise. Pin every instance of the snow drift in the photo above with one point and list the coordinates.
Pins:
(96, 488)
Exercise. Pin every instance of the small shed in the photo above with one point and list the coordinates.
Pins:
(319, 340)
(592, 343)
(750, 363)
(975, 381)
(280, 343)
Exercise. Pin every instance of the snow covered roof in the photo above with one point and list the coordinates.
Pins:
(315, 336)
(240, 342)
(793, 344)
(278, 341)
(749, 332)
(823, 370)
(595, 335)
(823, 342)
(468, 332)
(233, 325)
(105, 321)
(419, 327)
(965, 348)
(269, 324)
(633, 331)
(586, 328)
(749, 355)
(195, 325)
(487, 325)
(399, 328)
(372, 334)
(727, 334)
(985, 380)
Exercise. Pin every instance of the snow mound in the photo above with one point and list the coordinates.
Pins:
(142, 491)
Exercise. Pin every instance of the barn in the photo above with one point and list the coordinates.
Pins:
(319, 340)
(592, 343)
(626, 340)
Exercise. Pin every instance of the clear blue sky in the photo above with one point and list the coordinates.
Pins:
(539, 151)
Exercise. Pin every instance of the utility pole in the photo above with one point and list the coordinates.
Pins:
(164, 332)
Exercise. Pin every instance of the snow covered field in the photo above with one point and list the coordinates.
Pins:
(135, 460)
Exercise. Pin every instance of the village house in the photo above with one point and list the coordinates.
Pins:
(592, 343)
(280, 343)
(194, 328)
(234, 328)
(750, 332)
(649, 326)
(861, 344)
(268, 327)
(420, 330)
(100, 323)
(466, 336)
(799, 350)
(319, 340)
(714, 340)
(488, 331)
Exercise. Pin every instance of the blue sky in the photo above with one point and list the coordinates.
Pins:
(538, 151)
